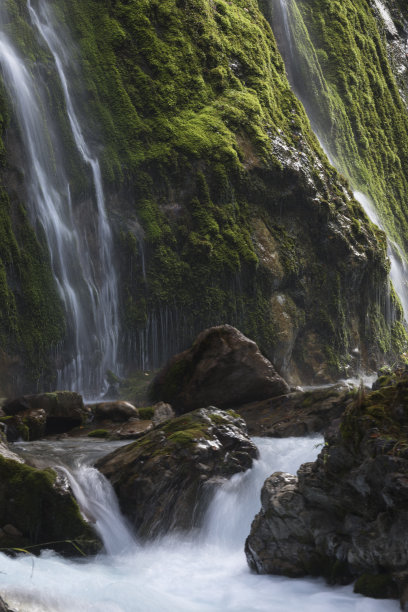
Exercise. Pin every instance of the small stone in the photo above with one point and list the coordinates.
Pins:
(12, 531)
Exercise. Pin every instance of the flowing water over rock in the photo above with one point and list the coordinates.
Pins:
(81, 256)
(205, 571)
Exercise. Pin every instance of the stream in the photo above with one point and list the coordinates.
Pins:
(205, 570)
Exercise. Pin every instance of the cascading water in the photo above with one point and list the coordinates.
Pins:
(308, 87)
(204, 572)
(85, 275)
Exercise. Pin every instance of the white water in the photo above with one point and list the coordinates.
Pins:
(204, 572)
(87, 287)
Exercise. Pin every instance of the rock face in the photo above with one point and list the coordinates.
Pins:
(296, 414)
(163, 480)
(344, 516)
(223, 367)
(38, 510)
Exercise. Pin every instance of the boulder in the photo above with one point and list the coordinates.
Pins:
(296, 414)
(162, 412)
(114, 411)
(31, 417)
(164, 479)
(344, 516)
(38, 510)
(132, 430)
(223, 367)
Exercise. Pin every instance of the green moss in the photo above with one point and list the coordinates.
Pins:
(347, 84)
(98, 433)
(380, 586)
(30, 502)
(146, 413)
(218, 419)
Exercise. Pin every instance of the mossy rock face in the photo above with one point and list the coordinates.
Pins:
(38, 504)
(349, 506)
(221, 198)
(164, 480)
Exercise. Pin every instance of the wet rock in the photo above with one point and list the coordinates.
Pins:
(344, 517)
(4, 607)
(223, 367)
(164, 480)
(296, 414)
(132, 430)
(115, 411)
(37, 510)
(31, 417)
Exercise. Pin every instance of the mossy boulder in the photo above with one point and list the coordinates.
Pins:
(164, 480)
(31, 417)
(223, 367)
(39, 505)
(344, 516)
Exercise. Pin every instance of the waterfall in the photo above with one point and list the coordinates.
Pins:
(81, 254)
(204, 572)
(99, 505)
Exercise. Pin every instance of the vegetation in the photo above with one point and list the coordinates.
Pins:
(226, 209)
(347, 84)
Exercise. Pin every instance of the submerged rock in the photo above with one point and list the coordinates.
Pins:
(296, 414)
(344, 517)
(37, 510)
(163, 480)
(31, 417)
(223, 367)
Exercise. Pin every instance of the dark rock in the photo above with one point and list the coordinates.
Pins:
(164, 479)
(296, 414)
(31, 417)
(38, 510)
(115, 411)
(223, 367)
(344, 517)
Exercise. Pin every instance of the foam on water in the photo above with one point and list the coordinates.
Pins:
(204, 571)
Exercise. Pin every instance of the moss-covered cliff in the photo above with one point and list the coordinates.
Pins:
(225, 208)
(339, 66)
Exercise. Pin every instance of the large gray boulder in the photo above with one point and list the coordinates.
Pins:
(163, 480)
(222, 368)
(344, 516)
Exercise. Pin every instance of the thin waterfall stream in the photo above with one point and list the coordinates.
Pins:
(84, 274)
(202, 571)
